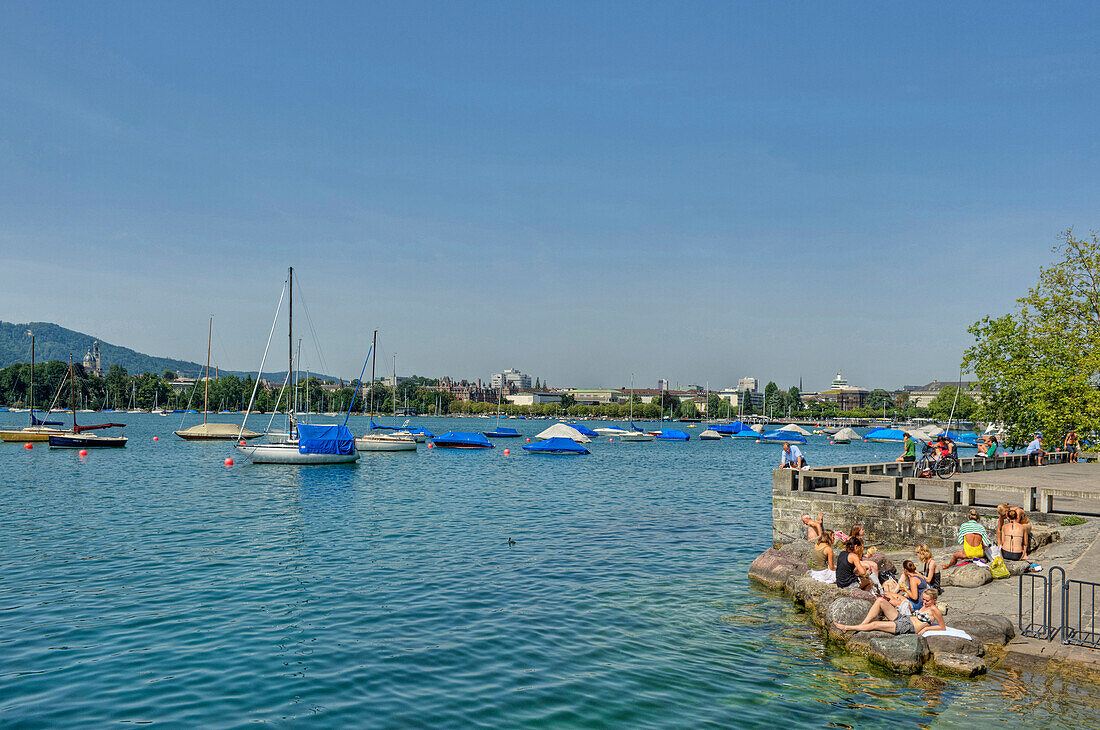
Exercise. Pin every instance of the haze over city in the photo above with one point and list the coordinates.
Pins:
(581, 192)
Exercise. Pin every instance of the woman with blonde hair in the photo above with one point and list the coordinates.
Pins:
(931, 568)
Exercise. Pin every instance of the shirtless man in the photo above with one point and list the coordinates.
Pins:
(927, 618)
(814, 528)
(1014, 537)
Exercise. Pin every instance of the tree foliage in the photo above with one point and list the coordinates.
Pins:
(1038, 367)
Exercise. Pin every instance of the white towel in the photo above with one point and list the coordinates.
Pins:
(949, 632)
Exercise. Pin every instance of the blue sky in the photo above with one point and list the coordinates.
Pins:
(694, 191)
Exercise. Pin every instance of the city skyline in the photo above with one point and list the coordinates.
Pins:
(577, 190)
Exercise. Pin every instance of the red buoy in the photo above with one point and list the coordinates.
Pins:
(241, 442)
(156, 438)
(228, 461)
(506, 452)
(83, 452)
(528, 440)
(431, 445)
(28, 445)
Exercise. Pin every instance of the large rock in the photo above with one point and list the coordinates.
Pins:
(966, 576)
(773, 568)
(987, 628)
(964, 665)
(954, 645)
(800, 549)
(905, 654)
(848, 611)
(1042, 536)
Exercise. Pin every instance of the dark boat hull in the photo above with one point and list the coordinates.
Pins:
(85, 442)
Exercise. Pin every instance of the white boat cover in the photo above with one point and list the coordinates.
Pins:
(795, 428)
(759, 427)
(847, 434)
(560, 429)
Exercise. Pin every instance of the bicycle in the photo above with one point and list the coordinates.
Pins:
(931, 465)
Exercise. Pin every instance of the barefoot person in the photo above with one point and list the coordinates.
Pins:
(1014, 536)
(792, 457)
(973, 538)
(822, 560)
(910, 454)
(929, 568)
(1072, 445)
(928, 618)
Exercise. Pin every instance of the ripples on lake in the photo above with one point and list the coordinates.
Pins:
(156, 585)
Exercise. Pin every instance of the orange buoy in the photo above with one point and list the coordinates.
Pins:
(506, 452)
(28, 445)
(241, 442)
(528, 440)
(156, 438)
(83, 452)
(431, 445)
(228, 461)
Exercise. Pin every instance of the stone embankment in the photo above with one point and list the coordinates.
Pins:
(786, 569)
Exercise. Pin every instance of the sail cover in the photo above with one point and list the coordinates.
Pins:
(335, 439)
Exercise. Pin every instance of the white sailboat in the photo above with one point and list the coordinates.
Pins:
(206, 431)
(635, 434)
(384, 441)
(305, 445)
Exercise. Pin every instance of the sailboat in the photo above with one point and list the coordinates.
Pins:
(38, 430)
(77, 438)
(501, 433)
(206, 431)
(384, 441)
(635, 433)
(305, 444)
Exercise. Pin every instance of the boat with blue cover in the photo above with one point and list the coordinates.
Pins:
(781, 436)
(502, 433)
(461, 440)
(583, 429)
(885, 436)
(556, 445)
(671, 434)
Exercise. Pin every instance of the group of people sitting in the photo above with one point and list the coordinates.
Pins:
(904, 604)
(1013, 536)
(990, 446)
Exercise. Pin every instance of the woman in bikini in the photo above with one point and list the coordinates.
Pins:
(927, 618)
(931, 569)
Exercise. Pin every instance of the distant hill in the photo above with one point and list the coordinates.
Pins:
(54, 342)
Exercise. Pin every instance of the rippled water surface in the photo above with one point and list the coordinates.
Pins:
(155, 584)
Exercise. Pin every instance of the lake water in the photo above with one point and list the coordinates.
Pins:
(155, 584)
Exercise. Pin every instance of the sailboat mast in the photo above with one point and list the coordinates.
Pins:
(31, 397)
(206, 393)
(290, 348)
(395, 390)
(373, 360)
(72, 391)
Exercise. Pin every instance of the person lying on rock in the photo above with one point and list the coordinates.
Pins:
(850, 568)
(1014, 536)
(814, 528)
(973, 538)
(822, 559)
(928, 618)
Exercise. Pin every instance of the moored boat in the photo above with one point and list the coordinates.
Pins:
(461, 440)
(385, 442)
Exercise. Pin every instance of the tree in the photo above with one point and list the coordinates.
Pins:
(772, 399)
(1039, 368)
(876, 399)
(538, 385)
(168, 375)
(714, 406)
(567, 400)
(688, 409)
(942, 405)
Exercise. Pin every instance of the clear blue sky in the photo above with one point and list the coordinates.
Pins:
(686, 190)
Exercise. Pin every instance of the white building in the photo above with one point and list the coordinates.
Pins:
(529, 399)
(748, 384)
(510, 380)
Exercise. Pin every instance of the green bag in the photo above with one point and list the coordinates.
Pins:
(998, 567)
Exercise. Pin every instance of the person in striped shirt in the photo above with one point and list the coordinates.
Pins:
(973, 538)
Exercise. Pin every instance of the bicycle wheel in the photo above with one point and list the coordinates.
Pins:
(946, 467)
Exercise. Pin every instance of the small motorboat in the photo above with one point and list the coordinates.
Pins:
(461, 440)
(86, 441)
(558, 445)
(671, 434)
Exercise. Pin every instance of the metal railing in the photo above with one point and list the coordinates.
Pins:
(1075, 617)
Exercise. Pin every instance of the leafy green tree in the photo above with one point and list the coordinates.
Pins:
(876, 399)
(1038, 367)
(688, 409)
(715, 406)
(567, 400)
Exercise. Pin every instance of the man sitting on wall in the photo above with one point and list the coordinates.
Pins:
(973, 538)
(1036, 448)
(792, 457)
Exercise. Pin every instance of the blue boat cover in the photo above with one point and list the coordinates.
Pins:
(671, 434)
(885, 434)
(375, 427)
(462, 438)
(556, 445)
(335, 439)
(794, 438)
(422, 432)
(502, 432)
(583, 429)
(36, 422)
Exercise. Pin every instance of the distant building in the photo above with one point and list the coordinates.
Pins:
(839, 382)
(662, 384)
(534, 398)
(922, 395)
(92, 363)
(466, 391)
(736, 397)
(511, 381)
(387, 380)
(598, 396)
(747, 384)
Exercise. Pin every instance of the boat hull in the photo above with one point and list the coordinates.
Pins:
(76, 441)
(636, 436)
(385, 443)
(36, 434)
(439, 445)
(289, 454)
